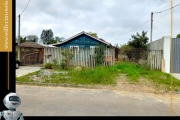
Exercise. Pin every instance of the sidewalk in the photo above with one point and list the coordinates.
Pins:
(176, 75)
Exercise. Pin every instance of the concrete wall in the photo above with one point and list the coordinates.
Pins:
(162, 44)
(166, 54)
(156, 45)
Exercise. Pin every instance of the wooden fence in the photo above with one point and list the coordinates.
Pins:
(155, 58)
(84, 57)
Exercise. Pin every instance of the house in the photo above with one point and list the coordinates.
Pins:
(160, 56)
(84, 40)
(31, 53)
(81, 40)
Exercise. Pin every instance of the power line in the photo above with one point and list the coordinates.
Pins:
(167, 5)
(144, 22)
(25, 7)
(168, 9)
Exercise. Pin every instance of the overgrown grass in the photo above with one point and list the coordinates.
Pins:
(107, 75)
(98, 75)
(134, 72)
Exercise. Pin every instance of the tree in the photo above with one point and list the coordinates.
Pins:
(139, 41)
(32, 38)
(59, 39)
(178, 36)
(93, 34)
(22, 39)
(47, 36)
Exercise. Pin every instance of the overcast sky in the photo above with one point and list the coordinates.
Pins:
(112, 20)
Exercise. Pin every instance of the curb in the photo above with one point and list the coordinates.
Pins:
(48, 84)
(69, 85)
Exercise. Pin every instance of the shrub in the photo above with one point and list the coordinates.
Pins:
(68, 56)
(99, 54)
(48, 66)
(55, 64)
(63, 64)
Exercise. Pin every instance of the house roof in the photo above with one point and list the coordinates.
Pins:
(81, 33)
(30, 45)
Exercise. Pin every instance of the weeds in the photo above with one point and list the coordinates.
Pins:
(107, 75)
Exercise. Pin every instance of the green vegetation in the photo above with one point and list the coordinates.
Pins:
(98, 75)
(99, 54)
(107, 75)
(48, 66)
(139, 41)
(26, 78)
(158, 78)
(68, 55)
(178, 36)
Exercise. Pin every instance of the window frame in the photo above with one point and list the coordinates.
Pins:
(92, 49)
(74, 52)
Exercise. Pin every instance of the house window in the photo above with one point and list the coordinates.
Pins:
(74, 49)
(92, 49)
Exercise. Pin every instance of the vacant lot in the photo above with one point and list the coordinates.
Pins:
(122, 76)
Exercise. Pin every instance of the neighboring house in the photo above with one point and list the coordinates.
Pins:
(84, 40)
(31, 53)
(82, 46)
(159, 54)
(81, 40)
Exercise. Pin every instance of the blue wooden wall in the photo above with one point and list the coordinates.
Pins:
(83, 41)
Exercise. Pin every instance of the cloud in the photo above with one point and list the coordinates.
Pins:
(113, 20)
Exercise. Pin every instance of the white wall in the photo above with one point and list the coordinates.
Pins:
(166, 54)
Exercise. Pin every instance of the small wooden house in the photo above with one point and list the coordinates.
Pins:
(31, 53)
(84, 40)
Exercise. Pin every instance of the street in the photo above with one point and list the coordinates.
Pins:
(64, 101)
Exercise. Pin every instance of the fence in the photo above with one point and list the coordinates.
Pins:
(155, 58)
(134, 55)
(84, 57)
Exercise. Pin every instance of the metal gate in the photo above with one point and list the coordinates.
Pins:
(176, 55)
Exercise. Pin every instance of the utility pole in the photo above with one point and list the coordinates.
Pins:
(171, 34)
(19, 30)
(151, 26)
(19, 38)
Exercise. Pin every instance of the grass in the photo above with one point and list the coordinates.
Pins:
(107, 75)
(98, 75)
(26, 78)
(158, 78)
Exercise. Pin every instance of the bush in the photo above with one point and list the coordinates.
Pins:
(48, 66)
(68, 56)
(63, 64)
(99, 54)
(55, 64)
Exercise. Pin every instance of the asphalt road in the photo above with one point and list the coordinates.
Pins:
(62, 101)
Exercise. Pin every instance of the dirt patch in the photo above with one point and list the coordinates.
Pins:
(142, 89)
(123, 84)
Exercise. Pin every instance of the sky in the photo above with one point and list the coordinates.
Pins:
(113, 20)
